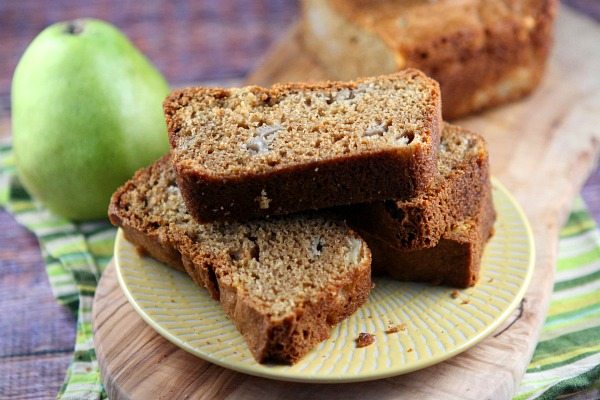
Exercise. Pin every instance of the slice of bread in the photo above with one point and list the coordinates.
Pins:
(462, 181)
(283, 282)
(482, 52)
(253, 152)
(455, 260)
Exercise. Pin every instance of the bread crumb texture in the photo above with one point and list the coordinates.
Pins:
(454, 198)
(275, 264)
(252, 130)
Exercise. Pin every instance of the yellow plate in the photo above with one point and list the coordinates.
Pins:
(436, 324)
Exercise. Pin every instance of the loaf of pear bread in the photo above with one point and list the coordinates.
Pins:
(482, 52)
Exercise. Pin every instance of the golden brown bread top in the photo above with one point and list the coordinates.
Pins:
(445, 26)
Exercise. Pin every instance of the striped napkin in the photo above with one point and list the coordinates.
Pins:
(567, 357)
(75, 256)
(566, 360)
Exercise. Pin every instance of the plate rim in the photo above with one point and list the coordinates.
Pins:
(264, 371)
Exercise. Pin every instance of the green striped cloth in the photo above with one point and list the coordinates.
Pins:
(567, 357)
(566, 360)
(75, 256)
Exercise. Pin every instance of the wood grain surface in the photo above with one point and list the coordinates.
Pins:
(542, 148)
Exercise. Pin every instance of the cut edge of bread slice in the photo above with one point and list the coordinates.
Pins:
(461, 183)
(455, 261)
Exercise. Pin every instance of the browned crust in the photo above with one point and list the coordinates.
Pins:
(473, 73)
(471, 62)
(395, 173)
(455, 261)
(500, 58)
(482, 77)
(151, 245)
(201, 268)
(159, 246)
(283, 340)
(420, 222)
(355, 180)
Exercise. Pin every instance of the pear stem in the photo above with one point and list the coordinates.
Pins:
(74, 27)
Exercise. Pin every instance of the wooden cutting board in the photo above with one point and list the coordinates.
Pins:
(542, 149)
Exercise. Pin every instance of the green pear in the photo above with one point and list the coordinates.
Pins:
(86, 114)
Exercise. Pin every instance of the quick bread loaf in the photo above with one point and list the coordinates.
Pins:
(283, 282)
(253, 152)
(482, 52)
(461, 184)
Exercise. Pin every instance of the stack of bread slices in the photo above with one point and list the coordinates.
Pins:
(279, 201)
